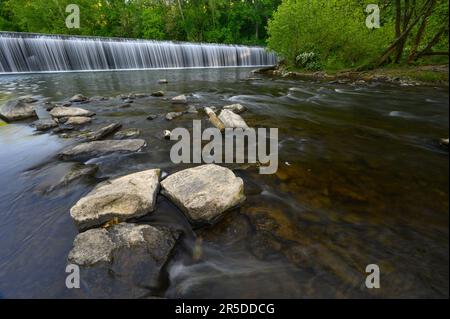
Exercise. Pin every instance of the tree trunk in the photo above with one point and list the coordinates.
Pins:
(413, 53)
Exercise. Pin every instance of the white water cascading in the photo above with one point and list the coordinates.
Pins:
(22, 52)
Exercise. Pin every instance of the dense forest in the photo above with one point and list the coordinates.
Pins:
(308, 34)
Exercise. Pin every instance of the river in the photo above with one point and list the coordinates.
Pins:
(362, 180)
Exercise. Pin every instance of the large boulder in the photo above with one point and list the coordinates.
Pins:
(62, 111)
(88, 150)
(204, 192)
(122, 198)
(16, 110)
(231, 119)
(99, 245)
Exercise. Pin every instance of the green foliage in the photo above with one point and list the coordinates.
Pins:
(309, 61)
(224, 21)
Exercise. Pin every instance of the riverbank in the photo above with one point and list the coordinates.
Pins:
(428, 75)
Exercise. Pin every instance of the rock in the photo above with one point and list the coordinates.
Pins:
(126, 197)
(99, 245)
(103, 132)
(236, 108)
(124, 105)
(128, 101)
(28, 99)
(88, 150)
(78, 98)
(62, 111)
(204, 192)
(63, 128)
(171, 115)
(44, 124)
(167, 134)
(127, 133)
(192, 109)
(231, 119)
(214, 119)
(78, 171)
(67, 104)
(141, 95)
(77, 120)
(180, 99)
(163, 81)
(16, 110)
(444, 141)
(151, 117)
(158, 93)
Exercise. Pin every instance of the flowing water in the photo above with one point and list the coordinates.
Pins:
(362, 180)
(22, 52)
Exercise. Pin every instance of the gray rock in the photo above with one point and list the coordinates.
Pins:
(77, 120)
(204, 192)
(44, 124)
(192, 109)
(236, 108)
(171, 115)
(123, 198)
(78, 98)
(127, 133)
(151, 117)
(231, 119)
(158, 93)
(28, 99)
(78, 171)
(103, 132)
(163, 81)
(141, 95)
(88, 150)
(16, 110)
(167, 134)
(63, 111)
(100, 245)
(180, 99)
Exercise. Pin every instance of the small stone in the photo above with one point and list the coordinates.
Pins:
(236, 108)
(78, 98)
(163, 81)
(151, 117)
(444, 141)
(180, 99)
(171, 115)
(192, 109)
(127, 133)
(167, 134)
(231, 119)
(44, 124)
(62, 111)
(158, 93)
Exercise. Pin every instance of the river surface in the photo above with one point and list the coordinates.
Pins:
(362, 180)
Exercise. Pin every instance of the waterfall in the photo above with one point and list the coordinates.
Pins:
(23, 52)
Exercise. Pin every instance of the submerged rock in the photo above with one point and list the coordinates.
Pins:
(151, 117)
(236, 108)
(231, 119)
(180, 99)
(127, 133)
(88, 150)
(158, 93)
(123, 198)
(78, 120)
(78, 98)
(171, 115)
(144, 245)
(192, 109)
(204, 192)
(16, 110)
(103, 132)
(78, 171)
(44, 124)
(62, 111)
